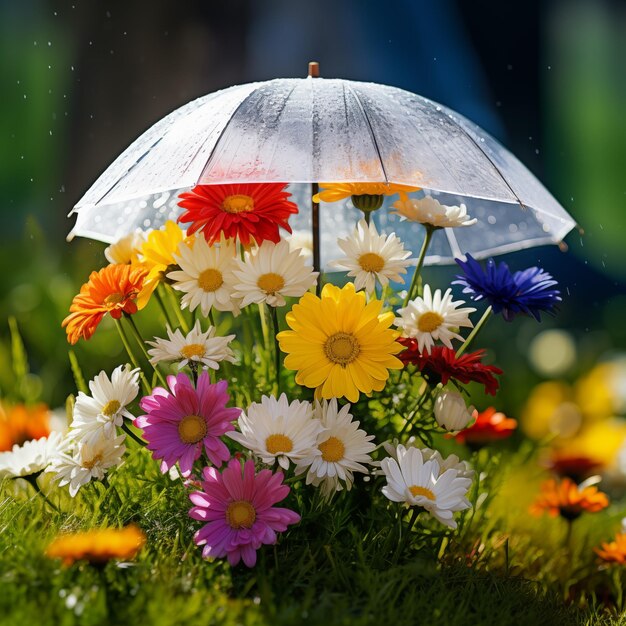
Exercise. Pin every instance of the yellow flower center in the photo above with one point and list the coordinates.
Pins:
(89, 464)
(371, 262)
(332, 450)
(270, 282)
(342, 348)
(114, 298)
(193, 349)
(192, 428)
(240, 514)
(238, 203)
(210, 280)
(275, 444)
(111, 408)
(429, 322)
(421, 491)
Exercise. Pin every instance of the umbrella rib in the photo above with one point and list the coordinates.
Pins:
(217, 143)
(230, 119)
(371, 130)
(495, 167)
(126, 173)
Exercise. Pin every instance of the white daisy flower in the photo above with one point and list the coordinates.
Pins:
(301, 241)
(99, 415)
(277, 430)
(195, 347)
(416, 482)
(433, 317)
(451, 412)
(205, 276)
(88, 461)
(463, 468)
(370, 256)
(270, 273)
(341, 449)
(32, 457)
(127, 249)
(427, 210)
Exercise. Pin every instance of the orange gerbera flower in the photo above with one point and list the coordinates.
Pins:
(245, 212)
(97, 546)
(111, 290)
(567, 499)
(613, 551)
(489, 426)
(22, 423)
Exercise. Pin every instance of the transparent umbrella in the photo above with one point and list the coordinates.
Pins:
(327, 130)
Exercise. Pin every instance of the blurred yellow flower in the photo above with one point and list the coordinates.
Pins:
(594, 393)
(601, 441)
(550, 410)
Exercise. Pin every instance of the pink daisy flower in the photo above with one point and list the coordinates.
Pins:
(238, 508)
(178, 424)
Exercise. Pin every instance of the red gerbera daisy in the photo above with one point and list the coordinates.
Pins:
(578, 467)
(489, 426)
(441, 364)
(245, 211)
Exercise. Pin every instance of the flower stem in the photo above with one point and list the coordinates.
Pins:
(404, 542)
(127, 429)
(31, 479)
(420, 262)
(175, 305)
(131, 355)
(137, 335)
(275, 331)
(475, 331)
(164, 310)
(420, 403)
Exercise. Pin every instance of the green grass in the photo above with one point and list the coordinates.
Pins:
(340, 565)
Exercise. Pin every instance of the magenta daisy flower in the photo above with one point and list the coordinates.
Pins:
(238, 507)
(179, 423)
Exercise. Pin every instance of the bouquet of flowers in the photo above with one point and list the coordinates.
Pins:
(272, 392)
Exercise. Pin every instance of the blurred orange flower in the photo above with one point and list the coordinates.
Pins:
(22, 423)
(613, 551)
(489, 426)
(113, 290)
(567, 499)
(97, 546)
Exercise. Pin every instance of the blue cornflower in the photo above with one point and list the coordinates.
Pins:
(530, 291)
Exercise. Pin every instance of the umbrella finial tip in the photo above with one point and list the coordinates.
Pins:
(314, 69)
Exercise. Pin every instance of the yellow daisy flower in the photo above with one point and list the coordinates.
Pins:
(158, 255)
(333, 192)
(339, 344)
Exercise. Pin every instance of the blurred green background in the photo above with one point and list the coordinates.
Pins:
(80, 80)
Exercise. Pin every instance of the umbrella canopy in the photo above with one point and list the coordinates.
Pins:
(327, 130)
